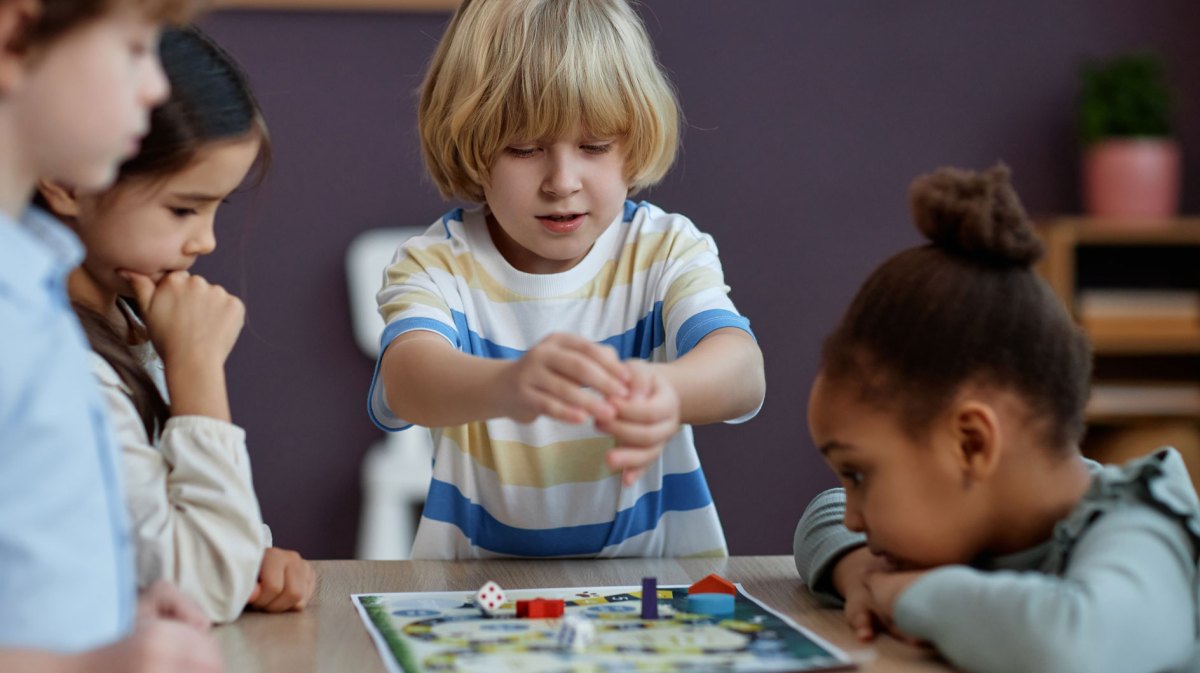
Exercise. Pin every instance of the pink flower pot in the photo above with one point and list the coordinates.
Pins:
(1136, 178)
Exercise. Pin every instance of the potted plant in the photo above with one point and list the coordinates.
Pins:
(1131, 162)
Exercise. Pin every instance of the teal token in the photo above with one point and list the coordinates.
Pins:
(710, 604)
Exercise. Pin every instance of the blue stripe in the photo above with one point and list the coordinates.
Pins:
(395, 329)
(390, 332)
(630, 209)
(476, 345)
(703, 323)
(638, 341)
(455, 215)
(643, 338)
(680, 492)
(371, 403)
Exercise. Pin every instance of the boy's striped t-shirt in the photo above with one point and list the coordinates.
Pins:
(651, 287)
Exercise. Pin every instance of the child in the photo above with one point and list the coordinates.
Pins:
(950, 403)
(557, 303)
(77, 81)
(195, 517)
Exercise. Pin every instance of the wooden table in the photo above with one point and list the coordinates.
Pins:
(329, 635)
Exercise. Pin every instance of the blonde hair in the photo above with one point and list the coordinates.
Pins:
(532, 69)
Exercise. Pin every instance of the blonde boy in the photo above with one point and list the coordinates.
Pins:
(559, 338)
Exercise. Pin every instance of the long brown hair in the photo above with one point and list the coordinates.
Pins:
(210, 101)
(110, 345)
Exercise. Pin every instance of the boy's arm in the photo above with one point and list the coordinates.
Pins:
(721, 378)
(1127, 603)
(430, 383)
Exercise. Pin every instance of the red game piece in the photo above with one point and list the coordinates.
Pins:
(713, 584)
(540, 608)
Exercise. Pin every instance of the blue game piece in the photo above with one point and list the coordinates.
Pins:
(649, 598)
(716, 605)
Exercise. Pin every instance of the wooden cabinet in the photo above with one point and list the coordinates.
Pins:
(1135, 288)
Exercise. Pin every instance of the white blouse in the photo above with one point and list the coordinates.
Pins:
(193, 513)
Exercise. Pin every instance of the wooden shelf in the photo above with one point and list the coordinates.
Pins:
(1143, 335)
(1134, 401)
(1093, 231)
(1148, 344)
(1146, 334)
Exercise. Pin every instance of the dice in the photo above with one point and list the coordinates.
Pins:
(575, 633)
(489, 598)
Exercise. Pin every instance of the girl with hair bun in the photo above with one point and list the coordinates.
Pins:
(950, 403)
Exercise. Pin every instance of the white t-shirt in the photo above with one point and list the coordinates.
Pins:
(652, 287)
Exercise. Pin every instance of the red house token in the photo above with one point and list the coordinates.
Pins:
(713, 584)
(540, 608)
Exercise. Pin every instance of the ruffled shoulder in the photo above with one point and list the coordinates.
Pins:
(1159, 480)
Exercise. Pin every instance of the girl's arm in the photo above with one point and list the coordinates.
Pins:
(720, 379)
(821, 542)
(193, 512)
(1127, 604)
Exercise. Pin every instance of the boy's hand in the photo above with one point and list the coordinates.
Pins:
(644, 421)
(285, 582)
(171, 635)
(552, 377)
(188, 318)
(158, 646)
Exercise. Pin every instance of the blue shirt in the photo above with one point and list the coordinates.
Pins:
(66, 565)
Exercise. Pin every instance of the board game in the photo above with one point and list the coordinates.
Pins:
(445, 632)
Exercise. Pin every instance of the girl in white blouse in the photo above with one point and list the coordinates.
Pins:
(194, 515)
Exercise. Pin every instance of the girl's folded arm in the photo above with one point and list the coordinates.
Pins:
(1126, 604)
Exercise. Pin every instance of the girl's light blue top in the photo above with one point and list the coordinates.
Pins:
(1113, 590)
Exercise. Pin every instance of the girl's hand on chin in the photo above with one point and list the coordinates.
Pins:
(189, 319)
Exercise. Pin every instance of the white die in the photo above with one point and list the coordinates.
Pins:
(575, 633)
(489, 598)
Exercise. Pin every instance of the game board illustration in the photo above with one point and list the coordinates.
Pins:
(446, 632)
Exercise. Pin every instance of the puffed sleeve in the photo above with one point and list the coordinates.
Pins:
(193, 512)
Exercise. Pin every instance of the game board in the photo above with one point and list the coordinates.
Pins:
(444, 632)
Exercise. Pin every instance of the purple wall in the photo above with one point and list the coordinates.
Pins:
(806, 121)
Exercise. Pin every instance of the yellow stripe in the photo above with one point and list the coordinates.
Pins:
(415, 297)
(634, 258)
(697, 280)
(520, 464)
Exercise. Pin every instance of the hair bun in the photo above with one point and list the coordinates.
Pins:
(976, 215)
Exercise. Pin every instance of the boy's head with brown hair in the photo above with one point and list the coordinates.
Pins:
(54, 18)
(78, 79)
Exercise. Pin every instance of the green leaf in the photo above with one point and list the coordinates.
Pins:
(1126, 96)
